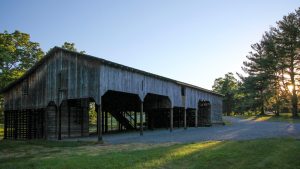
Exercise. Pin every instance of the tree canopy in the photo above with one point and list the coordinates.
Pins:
(227, 86)
(17, 54)
(272, 68)
(71, 47)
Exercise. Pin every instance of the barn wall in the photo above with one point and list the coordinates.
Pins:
(193, 96)
(66, 75)
(127, 81)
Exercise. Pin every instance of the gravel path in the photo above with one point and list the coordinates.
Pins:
(240, 129)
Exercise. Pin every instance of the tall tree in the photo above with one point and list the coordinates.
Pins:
(71, 47)
(273, 66)
(228, 87)
(288, 45)
(257, 83)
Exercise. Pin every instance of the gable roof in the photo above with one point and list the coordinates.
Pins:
(103, 61)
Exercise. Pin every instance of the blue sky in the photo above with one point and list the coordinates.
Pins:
(191, 41)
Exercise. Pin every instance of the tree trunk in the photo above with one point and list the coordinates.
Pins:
(294, 94)
(277, 104)
(262, 108)
(294, 105)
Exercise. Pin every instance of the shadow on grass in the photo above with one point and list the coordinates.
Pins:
(262, 153)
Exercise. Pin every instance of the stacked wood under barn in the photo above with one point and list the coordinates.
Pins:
(190, 117)
(204, 114)
(178, 117)
(24, 124)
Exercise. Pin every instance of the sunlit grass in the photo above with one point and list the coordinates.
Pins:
(176, 153)
(263, 118)
(262, 153)
(283, 117)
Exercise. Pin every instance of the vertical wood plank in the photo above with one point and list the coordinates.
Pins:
(196, 118)
(171, 119)
(5, 124)
(184, 118)
(141, 119)
(59, 122)
(99, 122)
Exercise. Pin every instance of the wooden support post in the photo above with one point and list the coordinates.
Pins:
(82, 109)
(69, 119)
(46, 123)
(59, 122)
(135, 119)
(196, 118)
(102, 122)
(106, 122)
(141, 119)
(29, 123)
(111, 122)
(5, 125)
(171, 119)
(15, 124)
(184, 118)
(99, 122)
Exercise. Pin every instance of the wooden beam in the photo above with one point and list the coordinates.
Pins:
(171, 119)
(106, 122)
(15, 115)
(99, 122)
(5, 125)
(141, 118)
(184, 118)
(59, 122)
(111, 122)
(196, 118)
(29, 122)
(46, 123)
(102, 121)
(69, 119)
(82, 109)
(135, 119)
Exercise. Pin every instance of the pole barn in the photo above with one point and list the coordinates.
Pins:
(53, 99)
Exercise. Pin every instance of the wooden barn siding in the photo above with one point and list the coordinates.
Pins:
(193, 96)
(88, 78)
(127, 81)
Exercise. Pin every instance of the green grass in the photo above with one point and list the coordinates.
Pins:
(263, 153)
(284, 117)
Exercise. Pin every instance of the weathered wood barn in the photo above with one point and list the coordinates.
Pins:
(53, 99)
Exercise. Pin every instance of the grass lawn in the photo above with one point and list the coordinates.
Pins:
(284, 117)
(263, 153)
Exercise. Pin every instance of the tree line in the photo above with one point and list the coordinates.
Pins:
(272, 73)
